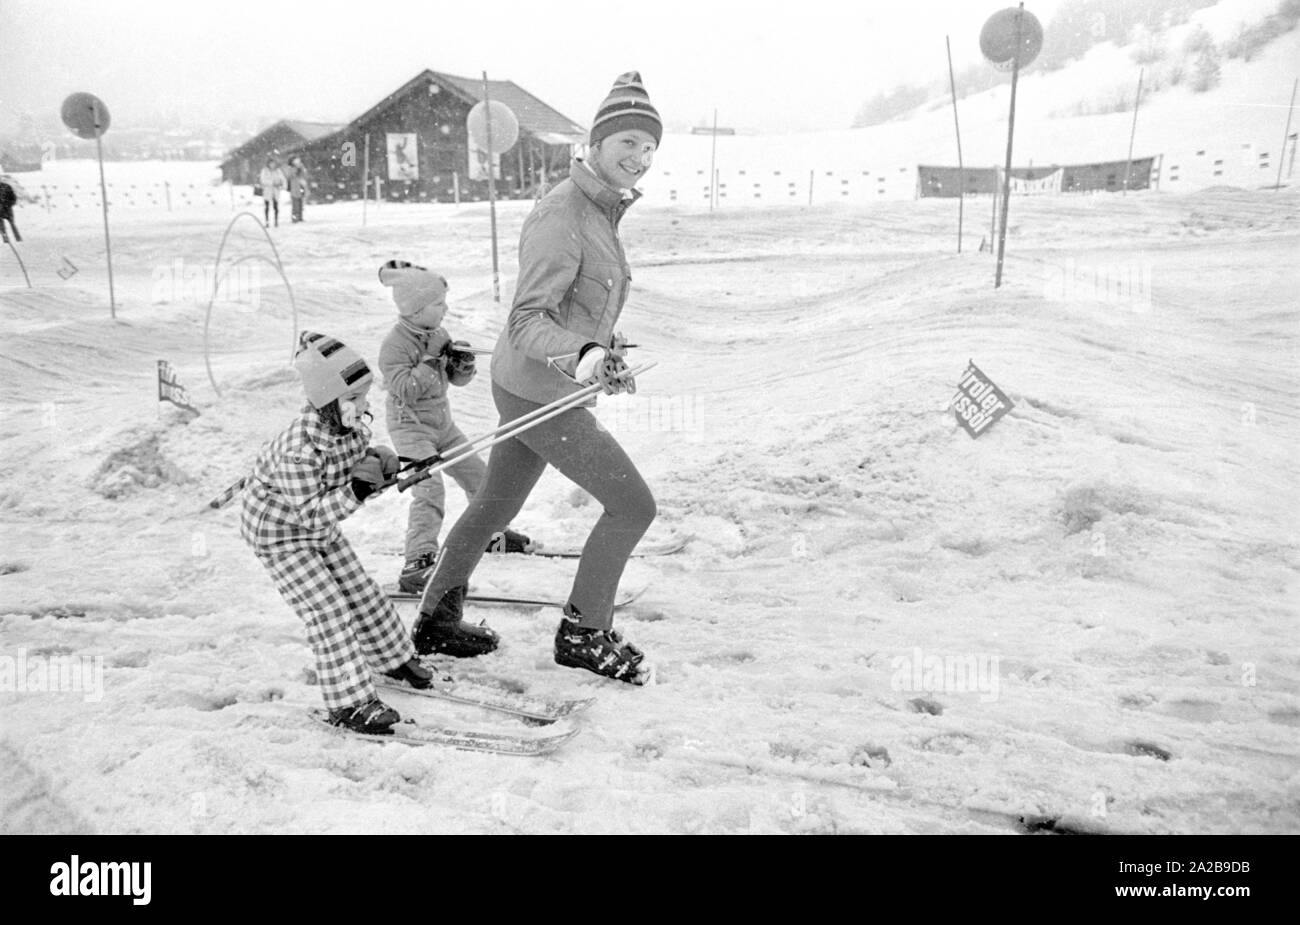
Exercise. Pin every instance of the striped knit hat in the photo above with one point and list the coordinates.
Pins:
(413, 287)
(329, 368)
(626, 107)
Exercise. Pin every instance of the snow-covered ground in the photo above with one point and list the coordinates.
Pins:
(1112, 567)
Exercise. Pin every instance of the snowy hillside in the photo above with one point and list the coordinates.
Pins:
(1112, 567)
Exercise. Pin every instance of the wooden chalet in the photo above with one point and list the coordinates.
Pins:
(418, 146)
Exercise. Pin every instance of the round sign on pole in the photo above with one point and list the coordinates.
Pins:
(998, 38)
(505, 127)
(86, 115)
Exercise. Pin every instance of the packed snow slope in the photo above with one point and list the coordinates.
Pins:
(1112, 566)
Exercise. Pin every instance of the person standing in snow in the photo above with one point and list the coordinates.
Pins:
(8, 199)
(573, 281)
(307, 480)
(418, 361)
(273, 182)
(297, 187)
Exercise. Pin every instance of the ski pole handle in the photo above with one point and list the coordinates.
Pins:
(225, 497)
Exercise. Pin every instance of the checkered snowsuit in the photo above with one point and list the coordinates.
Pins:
(296, 496)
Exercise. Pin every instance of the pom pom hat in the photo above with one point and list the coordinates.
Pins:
(329, 368)
(413, 287)
(626, 107)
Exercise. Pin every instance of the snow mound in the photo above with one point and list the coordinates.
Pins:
(139, 465)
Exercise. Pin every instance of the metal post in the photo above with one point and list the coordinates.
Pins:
(455, 186)
(1286, 134)
(1011, 131)
(1137, 101)
(103, 195)
(713, 160)
(365, 180)
(961, 170)
(993, 219)
(492, 190)
(811, 174)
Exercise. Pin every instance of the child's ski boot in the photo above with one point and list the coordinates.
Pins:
(413, 672)
(416, 572)
(509, 540)
(601, 651)
(374, 717)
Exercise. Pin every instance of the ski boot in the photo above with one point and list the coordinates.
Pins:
(508, 540)
(413, 672)
(601, 651)
(445, 632)
(374, 717)
(416, 572)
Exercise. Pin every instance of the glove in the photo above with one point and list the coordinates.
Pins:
(436, 358)
(607, 368)
(388, 461)
(461, 364)
(367, 475)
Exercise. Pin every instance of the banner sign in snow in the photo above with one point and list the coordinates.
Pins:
(170, 388)
(978, 402)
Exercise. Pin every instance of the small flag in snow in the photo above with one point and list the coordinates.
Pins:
(170, 388)
(978, 402)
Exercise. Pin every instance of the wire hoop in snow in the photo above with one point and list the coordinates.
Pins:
(21, 265)
(216, 283)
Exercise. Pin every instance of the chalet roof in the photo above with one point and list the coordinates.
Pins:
(535, 117)
(306, 131)
(310, 131)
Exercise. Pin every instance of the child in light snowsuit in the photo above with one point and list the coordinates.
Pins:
(308, 479)
(419, 361)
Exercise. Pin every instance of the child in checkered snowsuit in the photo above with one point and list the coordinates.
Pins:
(419, 361)
(310, 477)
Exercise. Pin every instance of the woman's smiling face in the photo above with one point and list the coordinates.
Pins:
(623, 157)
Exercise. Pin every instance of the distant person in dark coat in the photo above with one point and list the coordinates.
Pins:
(8, 199)
(297, 186)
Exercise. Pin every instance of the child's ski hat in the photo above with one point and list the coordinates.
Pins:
(413, 287)
(329, 368)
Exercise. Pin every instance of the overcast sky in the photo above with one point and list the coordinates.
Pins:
(766, 66)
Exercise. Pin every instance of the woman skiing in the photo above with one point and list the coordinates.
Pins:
(308, 479)
(573, 281)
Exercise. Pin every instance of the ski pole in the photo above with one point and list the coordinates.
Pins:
(508, 430)
(585, 392)
(463, 450)
(225, 497)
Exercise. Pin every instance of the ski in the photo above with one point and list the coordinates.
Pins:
(538, 709)
(409, 732)
(622, 600)
(666, 548)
